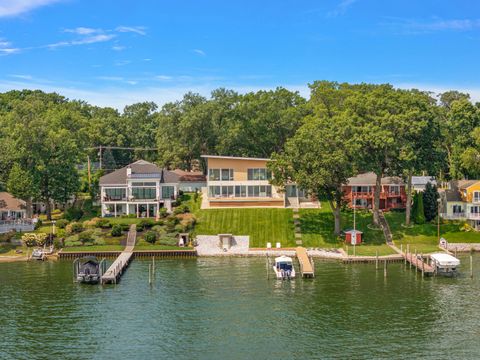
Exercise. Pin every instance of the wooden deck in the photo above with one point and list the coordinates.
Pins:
(115, 271)
(419, 263)
(306, 267)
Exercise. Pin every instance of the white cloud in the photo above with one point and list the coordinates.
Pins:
(118, 47)
(110, 78)
(341, 8)
(122, 62)
(140, 30)
(86, 40)
(83, 30)
(9, 51)
(199, 52)
(435, 24)
(163, 77)
(21, 76)
(17, 7)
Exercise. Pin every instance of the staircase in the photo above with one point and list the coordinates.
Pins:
(386, 229)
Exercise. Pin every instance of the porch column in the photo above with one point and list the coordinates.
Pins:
(115, 210)
(137, 210)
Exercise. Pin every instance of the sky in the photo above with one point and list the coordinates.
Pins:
(117, 52)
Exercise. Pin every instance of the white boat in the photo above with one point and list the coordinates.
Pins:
(38, 254)
(444, 264)
(283, 267)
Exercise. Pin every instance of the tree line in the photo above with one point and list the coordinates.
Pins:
(341, 130)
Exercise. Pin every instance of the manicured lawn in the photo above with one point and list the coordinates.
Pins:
(371, 250)
(262, 225)
(120, 220)
(10, 250)
(424, 237)
(317, 226)
(94, 248)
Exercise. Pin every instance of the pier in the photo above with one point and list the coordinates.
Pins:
(306, 265)
(115, 271)
(419, 263)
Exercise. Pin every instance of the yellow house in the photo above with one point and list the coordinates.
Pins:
(462, 201)
(245, 182)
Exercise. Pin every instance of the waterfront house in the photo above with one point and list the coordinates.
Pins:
(462, 201)
(11, 208)
(359, 192)
(420, 182)
(139, 189)
(191, 181)
(245, 182)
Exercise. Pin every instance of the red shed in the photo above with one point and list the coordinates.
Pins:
(353, 237)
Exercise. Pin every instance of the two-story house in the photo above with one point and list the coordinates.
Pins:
(462, 201)
(359, 192)
(140, 188)
(245, 182)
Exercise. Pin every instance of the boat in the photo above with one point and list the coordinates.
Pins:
(89, 270)
(444, 264)
(283, 267)
(38, 254)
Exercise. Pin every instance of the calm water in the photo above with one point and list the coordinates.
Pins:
(226, 309)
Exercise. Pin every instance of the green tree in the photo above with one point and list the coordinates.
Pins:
(418, 214)
(21, 185)
(430, 205)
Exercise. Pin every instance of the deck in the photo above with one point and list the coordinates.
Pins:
(419, 263)
(115, 271)
(306, 266)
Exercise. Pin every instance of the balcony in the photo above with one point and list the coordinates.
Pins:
(114, 198)
(455, 216)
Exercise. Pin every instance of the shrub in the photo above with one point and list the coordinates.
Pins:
(116, 230)
(182, 209)
(73, 214)
(8, 236)
(419, 216)
(62, 223)
(168, 239)
(146, 223)
(99, 241)
(32, 239)
(74, 228)
(159, 223)
(38, 224)
(171, 222)
(159, 229)
(162, 212)
(150, 237)
(195, 196)
(86, 237)
(125, 227)
(103, 223)
(430, 204)
(56, 211)
(72, 243)
(466, 227)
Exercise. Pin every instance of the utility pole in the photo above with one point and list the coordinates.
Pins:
(100, 156)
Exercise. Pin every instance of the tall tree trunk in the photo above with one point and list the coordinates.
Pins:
(337, 217)
(29, 207)
(408, 209)
(376, 200)
(48, 206)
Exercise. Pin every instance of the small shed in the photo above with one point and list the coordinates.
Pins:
(226, 241)
(353, 237)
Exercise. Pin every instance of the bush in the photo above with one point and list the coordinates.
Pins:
(146, 223)
(116, 230)
(99, 241)
(159, 223)
(56, 211)
(419, 216)
(38, 224)
(125, 227)
(72, 243)
(73, 214)
(86, 237)
(195, 196)
(150, 237)
(74, 228)
(103, 223)
(182, 209)
(159, 229)
(169, 240)
(171, 222)
(32, 239)
(62, 223)
(8, 236)
(162, 212)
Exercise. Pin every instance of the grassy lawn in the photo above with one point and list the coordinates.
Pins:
(317, 227)
(424, 237)
(262, 225)
(120, 220)
(94, 248)
(371, 250)
(10, 250)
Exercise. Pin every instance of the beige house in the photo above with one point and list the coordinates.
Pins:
(11, 208)
(245, 182)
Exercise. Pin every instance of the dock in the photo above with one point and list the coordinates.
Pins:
(115, 271)
(306, 265)
(419, 263)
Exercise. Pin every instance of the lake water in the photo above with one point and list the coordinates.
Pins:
(225, 308)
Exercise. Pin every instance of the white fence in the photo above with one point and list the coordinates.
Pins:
(17, 225)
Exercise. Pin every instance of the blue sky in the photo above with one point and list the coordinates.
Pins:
(116, 52)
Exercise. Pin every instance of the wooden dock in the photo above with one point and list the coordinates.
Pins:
(115, 271)
(419, 263)
(306, 266)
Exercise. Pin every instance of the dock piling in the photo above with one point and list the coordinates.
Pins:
(471, 266)
(384, 268)
(376, 259)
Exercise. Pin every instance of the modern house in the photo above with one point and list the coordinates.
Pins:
(420, 182)
(462, 202)
(245, 182)
(359, 192)
(141, 189)
(11, 208)
(191, 181)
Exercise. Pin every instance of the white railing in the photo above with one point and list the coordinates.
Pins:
(455, 216)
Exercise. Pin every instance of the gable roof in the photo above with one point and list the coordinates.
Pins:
(141, 169)
(370, 178)
(9, 202)
(452, 195)
(423, 180)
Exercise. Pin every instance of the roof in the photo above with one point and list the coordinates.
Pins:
(353, 231)
(233, 157)
(140, 169)
(445, 259)
(464, 184)
(423, 180)
(370, 178)
(190, 176)
(9, 202)
(452, 195)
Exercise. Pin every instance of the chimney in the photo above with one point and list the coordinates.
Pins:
(129, 171)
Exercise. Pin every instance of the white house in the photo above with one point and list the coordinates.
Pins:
(420, 182)
(11, 208)
(141, 188)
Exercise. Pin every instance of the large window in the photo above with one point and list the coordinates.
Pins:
(361, 189)
(259, 174)
(476, 196)
(214, 191)
(144, 193)
(394, 189)
(115, 194)
(227, 191)
(260, 191)
(220, 174)
(168, 192)
(240, 191)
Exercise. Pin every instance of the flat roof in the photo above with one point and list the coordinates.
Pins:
(445, 259)
(233, 157)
